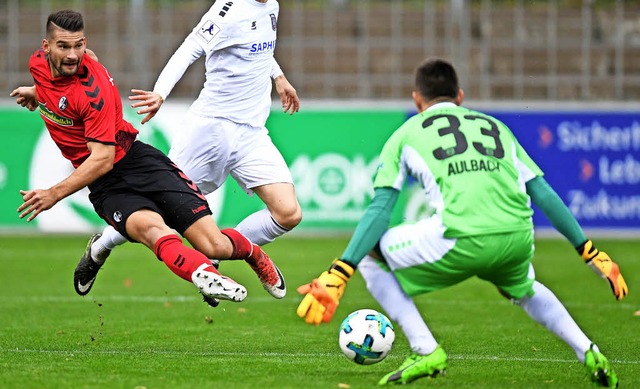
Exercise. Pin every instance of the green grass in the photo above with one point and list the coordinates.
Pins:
(143, 327)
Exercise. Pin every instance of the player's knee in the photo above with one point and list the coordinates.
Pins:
(212, 245)
(290, 217)
(146, 227)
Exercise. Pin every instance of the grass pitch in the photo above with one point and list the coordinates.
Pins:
(143, 327)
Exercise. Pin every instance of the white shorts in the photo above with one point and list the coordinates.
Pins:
(207, 150)
(412, 244)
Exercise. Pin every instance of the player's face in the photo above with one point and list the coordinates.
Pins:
(65, 50)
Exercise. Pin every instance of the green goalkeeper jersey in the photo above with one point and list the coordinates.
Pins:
(471, 166)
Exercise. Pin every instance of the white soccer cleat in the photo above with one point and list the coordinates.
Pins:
(214, 285)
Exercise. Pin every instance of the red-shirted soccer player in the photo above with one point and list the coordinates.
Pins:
(133, 186)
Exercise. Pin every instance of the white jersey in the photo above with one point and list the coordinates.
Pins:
(238, 40)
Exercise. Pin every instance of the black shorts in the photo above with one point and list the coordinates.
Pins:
(147, 179)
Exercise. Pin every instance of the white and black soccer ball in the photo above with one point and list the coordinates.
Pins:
(366, 336)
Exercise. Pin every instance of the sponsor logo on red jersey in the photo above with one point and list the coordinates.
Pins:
(52, 116)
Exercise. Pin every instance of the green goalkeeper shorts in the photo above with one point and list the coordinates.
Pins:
(423, 261)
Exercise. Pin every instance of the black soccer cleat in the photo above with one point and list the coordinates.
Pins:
(87, 269)
(212, 301)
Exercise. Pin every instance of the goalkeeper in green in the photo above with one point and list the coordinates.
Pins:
(479, 181)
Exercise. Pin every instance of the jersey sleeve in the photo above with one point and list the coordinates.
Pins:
(555, 210)
(188, 52)
(526, 167)
(391, 172)
(203, 38)
(371, 226)
(275, 69)
(210, 31)
(38, 66)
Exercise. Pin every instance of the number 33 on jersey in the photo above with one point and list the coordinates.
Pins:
(448, 144)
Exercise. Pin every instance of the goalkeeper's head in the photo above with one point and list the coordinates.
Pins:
(436, 81)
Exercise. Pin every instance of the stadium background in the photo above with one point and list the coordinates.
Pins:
(563, 74)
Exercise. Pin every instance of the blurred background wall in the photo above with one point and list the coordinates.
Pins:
(563, 74)
(575, 50)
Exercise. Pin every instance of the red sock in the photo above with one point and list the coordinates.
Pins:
(182, 260)
(242, 247)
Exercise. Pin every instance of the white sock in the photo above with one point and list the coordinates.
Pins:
(108, 241)
(545, 308)
(260, 227)
(384, 287)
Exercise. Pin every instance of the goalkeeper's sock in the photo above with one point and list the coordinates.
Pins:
(182, 260)
(545, 308)
(384, 287)
(109, 239)
(260, 227)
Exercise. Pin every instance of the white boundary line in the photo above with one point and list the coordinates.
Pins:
(265, 299)
(461, 357)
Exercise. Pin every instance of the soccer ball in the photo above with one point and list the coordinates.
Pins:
(366, 336)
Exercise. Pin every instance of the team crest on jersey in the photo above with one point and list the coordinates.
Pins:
(207, 31)
(62, 104)
(274, 22)
(117, 216)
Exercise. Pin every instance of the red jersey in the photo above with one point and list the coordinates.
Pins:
(81, 108)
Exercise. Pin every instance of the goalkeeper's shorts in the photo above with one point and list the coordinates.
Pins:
(423, 261)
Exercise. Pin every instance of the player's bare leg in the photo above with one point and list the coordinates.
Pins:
(283, 213)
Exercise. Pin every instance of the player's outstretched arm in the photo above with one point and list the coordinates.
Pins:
(563, 220)
(99, 162)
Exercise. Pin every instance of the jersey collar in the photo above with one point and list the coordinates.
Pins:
(444, 104)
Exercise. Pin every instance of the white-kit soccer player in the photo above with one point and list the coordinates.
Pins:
(225, 129)
(480, 182)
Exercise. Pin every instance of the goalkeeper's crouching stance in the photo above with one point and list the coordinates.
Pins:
(481, 227)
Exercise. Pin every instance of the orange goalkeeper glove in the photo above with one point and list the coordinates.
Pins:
(602, 265)
(322, 295)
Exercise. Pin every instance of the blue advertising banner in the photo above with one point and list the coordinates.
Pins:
(591, 159)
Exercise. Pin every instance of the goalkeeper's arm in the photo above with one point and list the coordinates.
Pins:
(563, 220)
(373, 224)
(323, 294)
